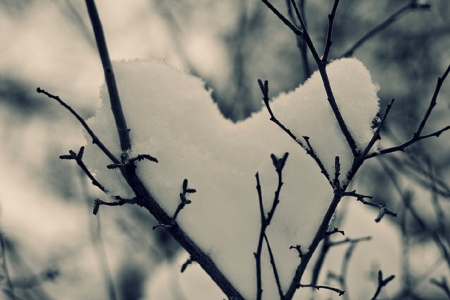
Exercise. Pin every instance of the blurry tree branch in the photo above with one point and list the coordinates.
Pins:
(417, 135)
(413, 4)
(381, 283)
(5, 280)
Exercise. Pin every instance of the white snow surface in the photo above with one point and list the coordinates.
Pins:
(173, 118)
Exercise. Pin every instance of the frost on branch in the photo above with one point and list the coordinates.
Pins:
(172, 116)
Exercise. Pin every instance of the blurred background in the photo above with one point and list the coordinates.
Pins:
(52, 247)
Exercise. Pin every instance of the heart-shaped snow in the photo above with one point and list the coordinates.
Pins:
(173, 118)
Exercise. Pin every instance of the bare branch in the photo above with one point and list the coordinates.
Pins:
(78, 157)
(417, 135)
(308, 148)
(98, 202)
(184, 201)
(282, 18)
(376, 135)
(279, 164)
(301, 45)
(440, 81)
(395, 17)
(381, 283)
(257, 254)
(351, 241)
(405, 145)
(305, 258)
(318, 287)
(326, 82)
(443, 284)
(186, 264)
(95, 139)
(383, 210)
(330, 31)
(116, 106)
(274, 267)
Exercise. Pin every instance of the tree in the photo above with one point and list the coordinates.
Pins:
(126, 166)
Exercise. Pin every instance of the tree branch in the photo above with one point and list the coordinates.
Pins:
(95, 139)
(383, 210)
(326, 82)
(395, 17)
(381, 283)
(308, 148)
(116, 106)
(318, 287)
(330, 31)
(279, 164)
(417, 135)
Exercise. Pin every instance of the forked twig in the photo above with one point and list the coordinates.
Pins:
(308, 147)
(279, 164)
(417, 135)
(382, 209)
(78, 157)
(381, 283)
(443, 284)
(321, 64)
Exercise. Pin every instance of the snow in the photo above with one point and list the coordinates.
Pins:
(173, 118)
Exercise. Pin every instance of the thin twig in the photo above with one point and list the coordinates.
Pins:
(95, 139)
(396, 16)
(120, 202)
(337, 173)
(319, 236)
(283, 19)
(352, 241)
(417, 135)
(376, 136)
(308, 148)
(432, 104)
(116, 106)
(301, 45)
(99, 246)
(330, 31)
(274, 267)
(443, 284)
(260, 241)
(78, 157)
(318, 287)
(381, 283)
(326, 82)
(405, 145)
(8, 288)
(279, 164)
(382, 209)
(183, 200)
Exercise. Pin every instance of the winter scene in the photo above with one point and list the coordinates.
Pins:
(196, 150)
